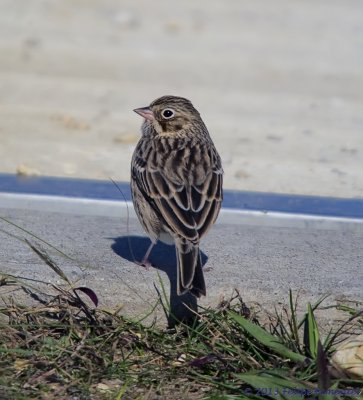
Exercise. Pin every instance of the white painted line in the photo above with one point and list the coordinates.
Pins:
(122, 209)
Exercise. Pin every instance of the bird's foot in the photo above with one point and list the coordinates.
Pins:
(145, 263)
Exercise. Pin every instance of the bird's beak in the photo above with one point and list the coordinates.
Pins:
(145, 112)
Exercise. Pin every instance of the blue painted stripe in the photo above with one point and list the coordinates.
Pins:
(243, 200)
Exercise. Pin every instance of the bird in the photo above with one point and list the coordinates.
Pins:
(176, 184)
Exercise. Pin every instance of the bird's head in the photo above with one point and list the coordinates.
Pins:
(170, 115)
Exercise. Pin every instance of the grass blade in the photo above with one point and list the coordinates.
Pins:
(313, 307)
(294, 327)
(322, 370)
(44, 256)
(311, 334)
(267, 339)
(273, 385)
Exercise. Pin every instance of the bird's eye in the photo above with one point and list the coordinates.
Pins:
(168, 113)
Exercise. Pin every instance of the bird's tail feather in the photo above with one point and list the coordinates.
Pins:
(190, 273)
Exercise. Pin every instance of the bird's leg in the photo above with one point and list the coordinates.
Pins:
(145, 261)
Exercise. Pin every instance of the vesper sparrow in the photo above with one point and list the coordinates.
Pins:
(176, 184)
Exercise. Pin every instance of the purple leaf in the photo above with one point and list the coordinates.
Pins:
(90, 293)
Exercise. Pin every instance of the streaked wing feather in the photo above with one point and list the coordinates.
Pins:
(197, 198)
(209, 218)
(188, 211)
(161, 187)
(178, 221)
(182, 198)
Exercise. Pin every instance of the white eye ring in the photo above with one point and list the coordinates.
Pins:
(168, 113)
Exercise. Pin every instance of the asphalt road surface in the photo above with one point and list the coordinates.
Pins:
(263, 255)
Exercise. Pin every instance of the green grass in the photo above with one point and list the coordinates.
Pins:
(62, 347)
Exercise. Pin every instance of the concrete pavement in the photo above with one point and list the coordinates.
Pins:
(261, 254)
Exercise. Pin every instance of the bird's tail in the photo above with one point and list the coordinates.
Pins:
(189, 270)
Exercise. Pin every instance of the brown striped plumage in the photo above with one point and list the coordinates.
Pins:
(176, 183)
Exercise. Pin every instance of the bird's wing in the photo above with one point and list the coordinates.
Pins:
(188, 202)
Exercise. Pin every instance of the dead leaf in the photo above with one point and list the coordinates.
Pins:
(349, 356)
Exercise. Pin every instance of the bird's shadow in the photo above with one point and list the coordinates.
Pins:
(163, 257)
